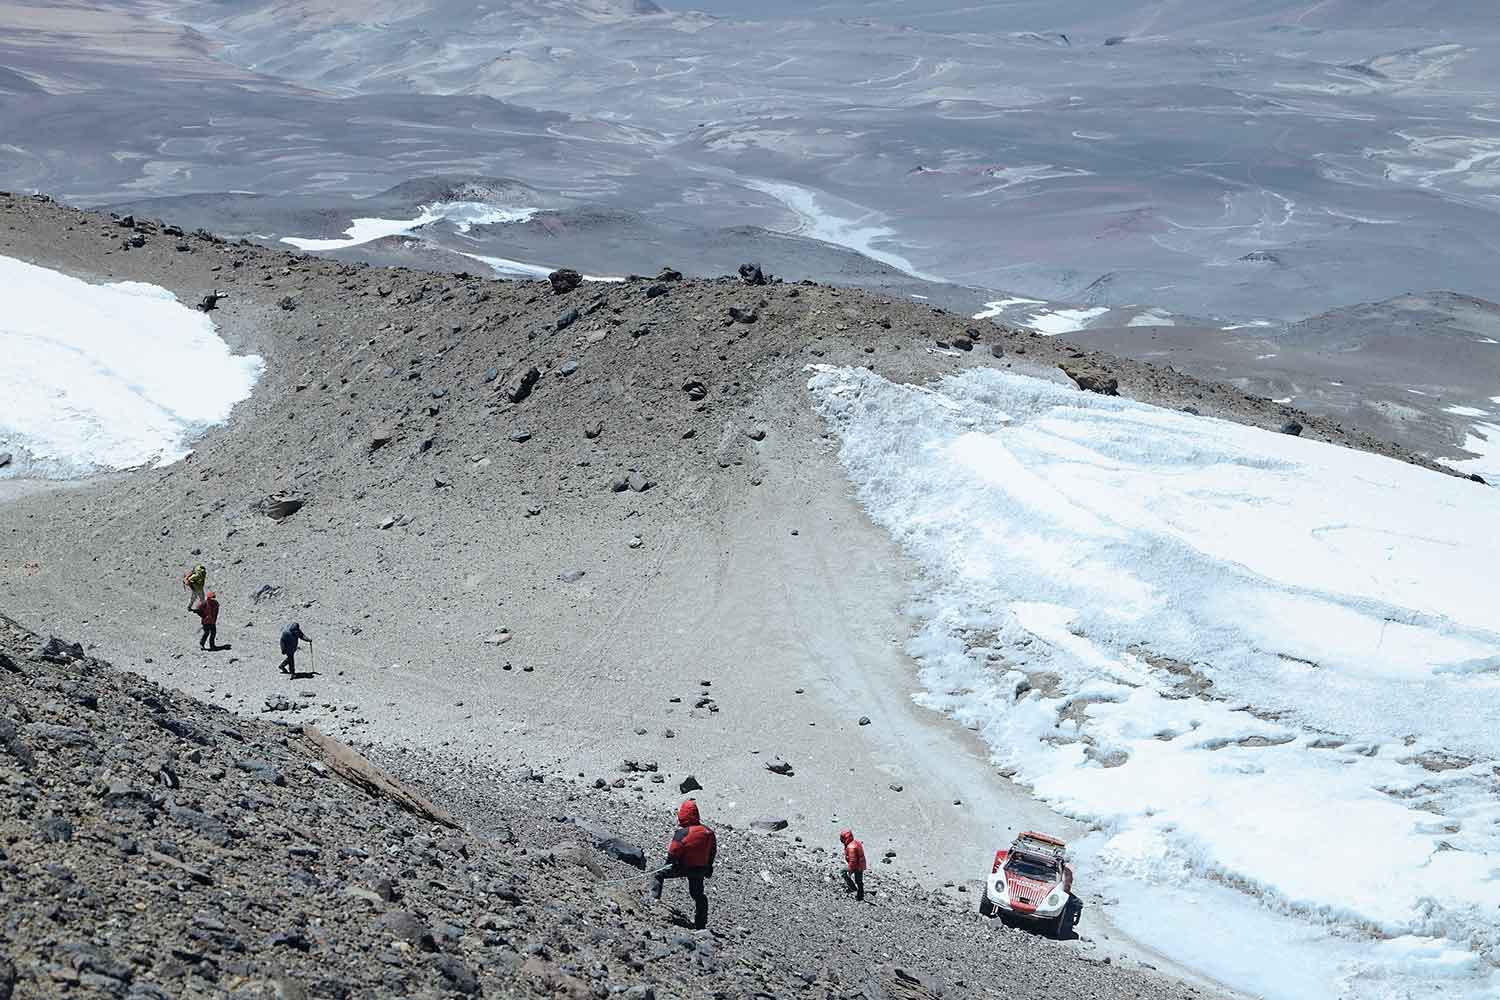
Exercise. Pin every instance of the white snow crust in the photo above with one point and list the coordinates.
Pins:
(1059, 321)
(463, 215)
(998, 306)
(1266, 669)
(108, 376)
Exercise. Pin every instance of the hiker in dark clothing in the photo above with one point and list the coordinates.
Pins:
(690, 856)
(289, 637)
(854, 865)
(208, 614)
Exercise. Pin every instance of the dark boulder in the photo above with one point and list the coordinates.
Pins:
(521, 385)
(564, 280)
(1093, 381)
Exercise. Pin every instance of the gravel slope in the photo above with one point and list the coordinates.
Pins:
(155, 846)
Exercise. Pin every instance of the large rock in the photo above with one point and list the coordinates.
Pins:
(458, 975)
(751, 274)
(408, 927)
(1090, 380)
(279, 506)
(521, 384)
(578, 856)
(608, 842)
(564, 280)
(381, 436)
(769, 824)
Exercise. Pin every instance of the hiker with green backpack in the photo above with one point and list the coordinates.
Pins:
(194, 580)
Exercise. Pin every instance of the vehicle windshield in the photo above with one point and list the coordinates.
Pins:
(1028, 867)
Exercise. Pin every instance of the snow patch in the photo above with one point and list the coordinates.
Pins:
(1483, 442)
(109, 376)
(998, 307)
(1466, 411)
(857, 228)
(1063, 320)
(1151, 317)
(1273, 666)
(507, 268)
(463, 215)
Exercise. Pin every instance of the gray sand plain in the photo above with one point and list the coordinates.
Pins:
(1298, 163)
(1126, 153)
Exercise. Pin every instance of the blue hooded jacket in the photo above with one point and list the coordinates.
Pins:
(289, 637)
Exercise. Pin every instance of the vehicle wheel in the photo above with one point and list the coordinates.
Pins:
(986, 908)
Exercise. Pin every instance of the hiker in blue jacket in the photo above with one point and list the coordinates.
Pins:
(289, 638)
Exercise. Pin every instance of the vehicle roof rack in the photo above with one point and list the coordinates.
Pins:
(1039, 843)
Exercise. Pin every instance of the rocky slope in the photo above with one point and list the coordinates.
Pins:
(556, 529)
(155, 846)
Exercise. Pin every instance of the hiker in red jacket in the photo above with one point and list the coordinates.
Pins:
(208, 613)
(854, 864)
(690, 855)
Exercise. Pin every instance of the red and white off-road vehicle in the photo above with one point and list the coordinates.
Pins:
(1032, 883)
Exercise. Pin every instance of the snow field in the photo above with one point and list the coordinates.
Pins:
(1267, 669)
(108, 376)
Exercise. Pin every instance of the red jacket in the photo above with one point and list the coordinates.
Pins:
(854, 851)
(693, 844)
(208, 611)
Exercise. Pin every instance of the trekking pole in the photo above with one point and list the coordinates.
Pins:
(312, 654)
(631, 878)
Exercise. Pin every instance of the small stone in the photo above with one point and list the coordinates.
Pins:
(1292, 427)
(895, 786)
(520, 436)
(769, 824)
(635, 543)
(55, 830)
(864, 720)
(571, 575)
(689, 784)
